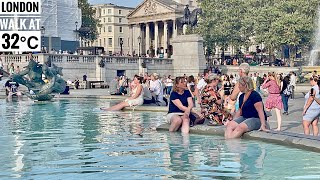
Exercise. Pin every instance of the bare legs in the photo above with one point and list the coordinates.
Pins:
(306, 124)
(279, 118)
(235, 130)
(11, 94)
(117, 107)
(179, 121)
(315, 127)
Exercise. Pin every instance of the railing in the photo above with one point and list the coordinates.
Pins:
(135, 60)
(67, 58)
(21, 58)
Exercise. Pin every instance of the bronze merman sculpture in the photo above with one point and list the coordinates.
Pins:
(38, 89)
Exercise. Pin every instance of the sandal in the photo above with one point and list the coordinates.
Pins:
(213, 123)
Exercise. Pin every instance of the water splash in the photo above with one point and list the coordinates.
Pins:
(315, 52)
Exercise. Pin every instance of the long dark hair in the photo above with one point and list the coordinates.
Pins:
(190, 79)
(139, 78)
(318, 83)
(286, 80)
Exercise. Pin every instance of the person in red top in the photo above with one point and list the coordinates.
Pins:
(274, 100)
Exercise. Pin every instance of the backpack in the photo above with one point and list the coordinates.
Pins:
(288, 90)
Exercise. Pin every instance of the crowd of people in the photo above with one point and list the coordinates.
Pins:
(155, 90)
(234, 100)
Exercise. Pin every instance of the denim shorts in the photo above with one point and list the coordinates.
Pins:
(311, 114)
(252, 123)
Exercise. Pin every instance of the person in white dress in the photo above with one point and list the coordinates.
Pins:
(136, 98)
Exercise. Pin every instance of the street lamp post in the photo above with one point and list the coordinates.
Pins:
(43, 30)
(139, 42)
(77, 33)
(121, 43)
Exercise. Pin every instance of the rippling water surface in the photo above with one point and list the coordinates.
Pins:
(73, 139)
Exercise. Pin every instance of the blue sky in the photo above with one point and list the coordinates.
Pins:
(128, 3)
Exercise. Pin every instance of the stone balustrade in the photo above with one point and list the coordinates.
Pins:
(75, 66)
(259, 69)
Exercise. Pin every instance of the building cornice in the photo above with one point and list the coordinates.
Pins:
(154, 17)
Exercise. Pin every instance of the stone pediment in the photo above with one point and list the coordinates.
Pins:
(154, 7)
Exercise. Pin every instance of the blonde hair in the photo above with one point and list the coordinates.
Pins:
(155, 75)
(245, 67)
(176, 82)
(274, 75)
(247, 81)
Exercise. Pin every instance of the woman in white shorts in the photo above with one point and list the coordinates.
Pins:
(136, 98)
(180, 107)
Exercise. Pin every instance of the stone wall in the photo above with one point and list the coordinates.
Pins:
(75, 66)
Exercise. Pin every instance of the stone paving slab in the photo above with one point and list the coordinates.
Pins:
(282, 138)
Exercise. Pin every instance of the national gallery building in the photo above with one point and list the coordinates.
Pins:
(152, 26)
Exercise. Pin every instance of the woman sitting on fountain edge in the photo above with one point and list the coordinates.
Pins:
(135, 99)
(251, 114)
(180, 114)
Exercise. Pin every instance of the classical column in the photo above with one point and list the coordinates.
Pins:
(174, 29)
(156, 37)
(131, 39)
(138, 34)
(165, 35)
(147, 37)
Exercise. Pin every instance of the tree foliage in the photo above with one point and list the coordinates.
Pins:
(272, 22)
(88, 29)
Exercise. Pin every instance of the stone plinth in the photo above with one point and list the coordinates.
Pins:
(188, 55)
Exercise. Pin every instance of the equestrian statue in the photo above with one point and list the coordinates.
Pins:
(190, 19)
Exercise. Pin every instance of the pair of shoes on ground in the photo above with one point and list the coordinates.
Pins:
(285, 113)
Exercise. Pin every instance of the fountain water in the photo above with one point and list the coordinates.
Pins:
(314, 54)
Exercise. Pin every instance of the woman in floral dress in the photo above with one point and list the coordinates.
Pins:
(212, 104)
(274, 100)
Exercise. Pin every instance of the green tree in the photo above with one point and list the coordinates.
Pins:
(274, 23)
(88, 30)
(224, 24)
(284, 22)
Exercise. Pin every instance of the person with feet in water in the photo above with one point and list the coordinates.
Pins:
(181, 113)
(251, 114)
(12, 88)
(136, 98)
